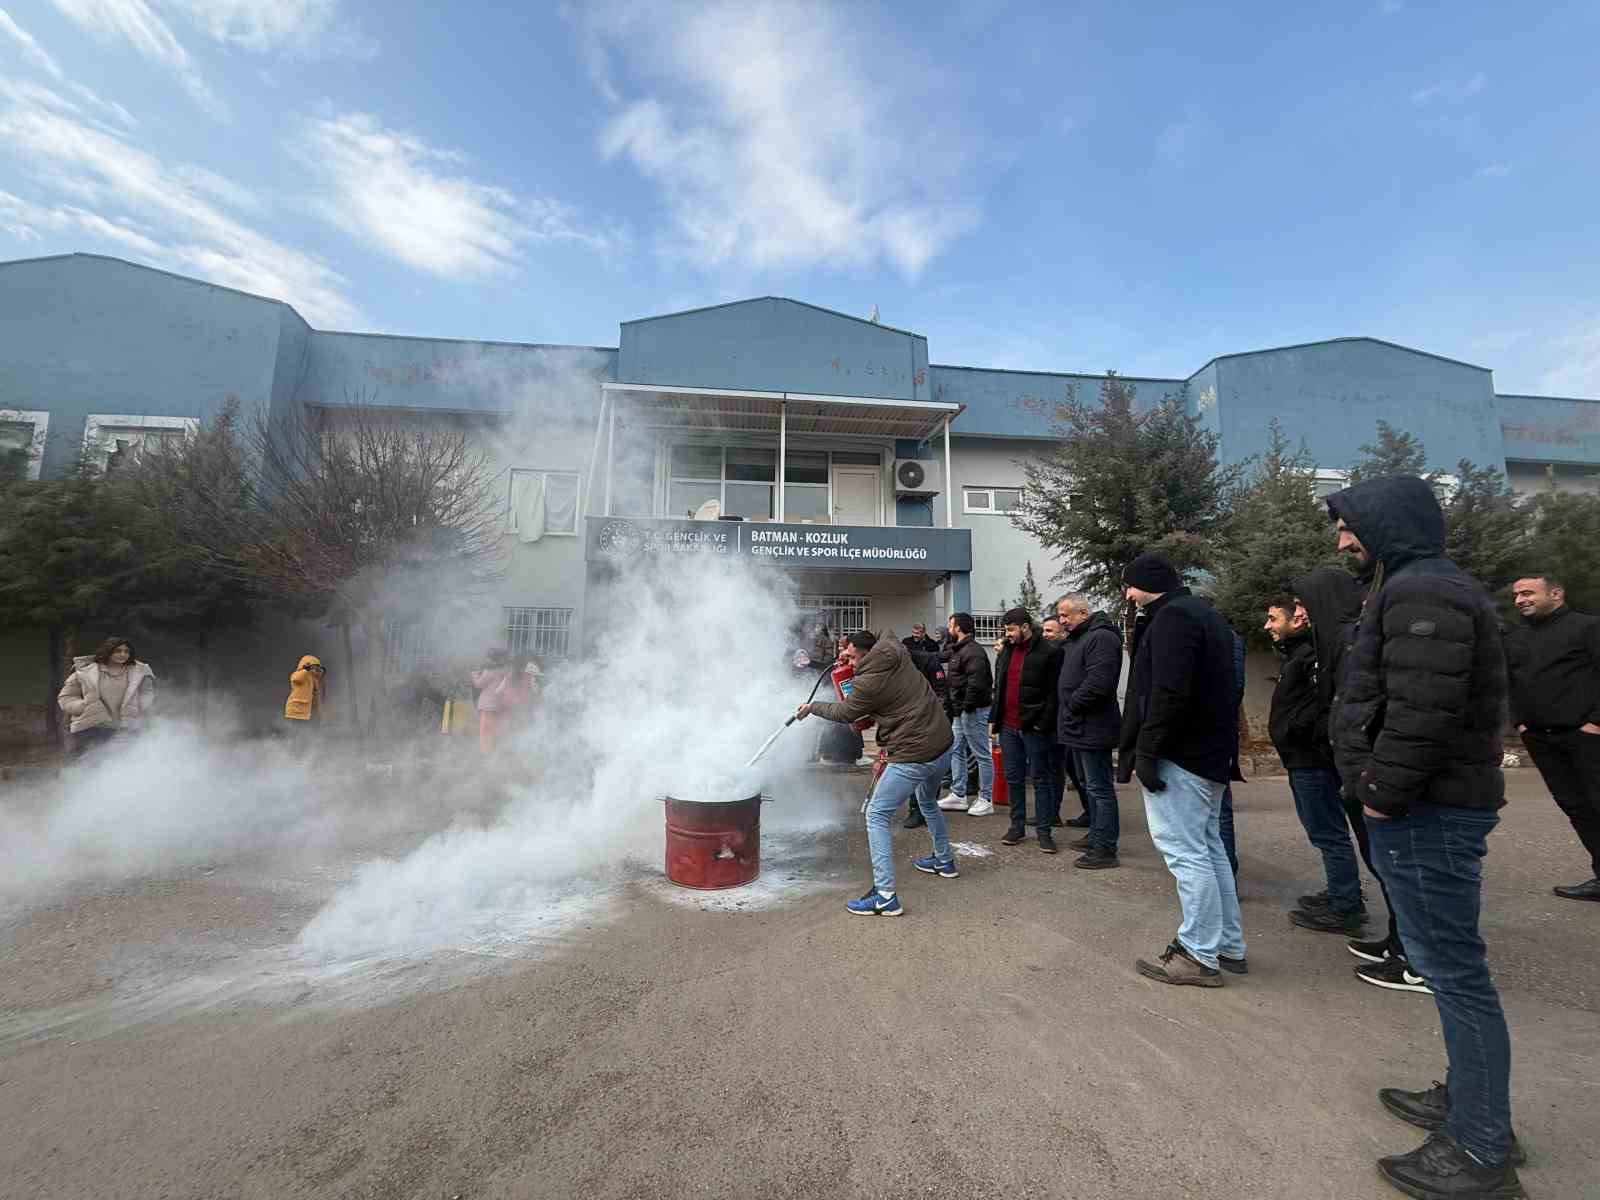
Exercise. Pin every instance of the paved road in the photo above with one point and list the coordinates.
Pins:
(157, 1038)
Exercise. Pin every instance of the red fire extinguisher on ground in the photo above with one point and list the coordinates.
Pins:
(1002, 794)
(843, 673)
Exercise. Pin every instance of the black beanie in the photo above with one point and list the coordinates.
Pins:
(1152, 573)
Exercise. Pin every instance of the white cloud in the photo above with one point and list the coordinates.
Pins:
(772, 142)
(163, 212)
(135, 22)
(40, 59)
(413, 202)
(1496, 170)
(1453, 91)
(311, 26)
(1578, 355)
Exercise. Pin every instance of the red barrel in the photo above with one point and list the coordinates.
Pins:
(1001, 795)
(711, 846)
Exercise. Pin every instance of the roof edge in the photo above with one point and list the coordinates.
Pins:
(832, 312)
(139, 266)
(1335, 341)
(1097, 375)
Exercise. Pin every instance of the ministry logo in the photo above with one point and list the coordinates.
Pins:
(620, 539)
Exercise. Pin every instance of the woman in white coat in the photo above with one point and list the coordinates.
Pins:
(108, 693)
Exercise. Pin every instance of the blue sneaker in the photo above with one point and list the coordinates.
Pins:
(931, 865)
(873, 904)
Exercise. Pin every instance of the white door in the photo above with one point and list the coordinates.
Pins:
(855, 495)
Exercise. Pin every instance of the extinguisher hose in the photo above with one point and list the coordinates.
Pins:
(791, 720)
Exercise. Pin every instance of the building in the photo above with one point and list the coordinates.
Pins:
(896, 472)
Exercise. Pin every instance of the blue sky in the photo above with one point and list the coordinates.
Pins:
(1061, 187)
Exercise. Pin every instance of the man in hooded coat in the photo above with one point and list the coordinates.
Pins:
(1416, 738)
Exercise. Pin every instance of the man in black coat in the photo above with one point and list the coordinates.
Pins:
(971, 692)
(1416, 738)
(1088, 721)
(1554, 660)
(1179, 736)
(1024, 718)
(1298, 726)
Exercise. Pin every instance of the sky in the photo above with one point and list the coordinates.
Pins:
(1068, 187)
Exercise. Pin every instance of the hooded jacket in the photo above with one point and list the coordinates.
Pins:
(893, 691)
(305, 694)
(80, 696)
(1036, 696)
(1418, 714)
(1181, 703)
(970, 676)
(1087, 716)
(1312, 659)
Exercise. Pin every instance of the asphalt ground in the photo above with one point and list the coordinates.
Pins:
(160, 1037)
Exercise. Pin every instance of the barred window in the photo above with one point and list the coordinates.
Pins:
(847, 613)
(541, 632)
(986, 626)
(407, 648)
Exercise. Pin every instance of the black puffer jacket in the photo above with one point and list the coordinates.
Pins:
(1181, 703)
(1036, 698)
(1091, 663)
(1420, 706)
(970, 678)
(1312, 659)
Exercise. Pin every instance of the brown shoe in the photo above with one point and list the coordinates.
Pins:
(1177, 967)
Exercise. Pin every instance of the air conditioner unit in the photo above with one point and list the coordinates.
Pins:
(918, 477)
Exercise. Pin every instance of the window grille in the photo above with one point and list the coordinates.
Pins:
(845, 613)
(986, 626)
(407, 648)
(541, 632)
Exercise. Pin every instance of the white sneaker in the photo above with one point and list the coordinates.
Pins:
(981, 809)
(953, 803)
(866, 760)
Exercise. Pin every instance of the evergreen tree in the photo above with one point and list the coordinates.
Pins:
(1028, 594)
(1279, 530)
(1565, 542)
(1486, 531)
(1118, 482)
(1394, 453)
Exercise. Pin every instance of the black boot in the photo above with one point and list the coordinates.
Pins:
(1430, 1109)
(1581, 891)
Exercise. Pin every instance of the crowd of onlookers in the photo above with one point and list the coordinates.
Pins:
(1396, 682)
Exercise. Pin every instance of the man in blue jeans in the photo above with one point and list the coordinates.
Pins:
(1416, 737)
(1088, 721)
(1179, 737)
(970, 688)
(915, 734)
(1024, 717)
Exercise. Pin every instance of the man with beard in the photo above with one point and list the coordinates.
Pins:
(1024, 718)
(1416, 740)
(1089, 722)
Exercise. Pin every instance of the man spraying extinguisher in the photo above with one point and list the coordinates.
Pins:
(914, 734)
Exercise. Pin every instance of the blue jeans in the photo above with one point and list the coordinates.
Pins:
(1432, 861)
(898, 782)
(1185, 825)
(1099, 797)
(1018, 753)
(1318, 803)
(1225, 827)
(971, 731)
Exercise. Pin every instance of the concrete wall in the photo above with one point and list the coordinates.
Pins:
(1550, 429)
(1020, 403)
(775, 345)
(1000, 551)
(82, 334)
(1332, 394)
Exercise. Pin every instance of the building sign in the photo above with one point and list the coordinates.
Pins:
(824, 547)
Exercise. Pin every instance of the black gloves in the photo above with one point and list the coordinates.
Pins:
(1144, 766)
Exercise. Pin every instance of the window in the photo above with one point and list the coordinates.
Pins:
(990, 499)
(407, 648)
(1330, 480)
(22, 434)
(111, 440)
(743, 481)
(986, 627)
(543, 503)
(847, 613)
(541, 632)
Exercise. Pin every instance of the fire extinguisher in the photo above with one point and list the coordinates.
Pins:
(843, 673)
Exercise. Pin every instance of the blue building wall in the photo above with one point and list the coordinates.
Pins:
(1333, 394)
(775, 345)
(1019, 403)
(83, 334)
(1551, 429)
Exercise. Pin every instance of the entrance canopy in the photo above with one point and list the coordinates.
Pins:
(711, 409)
